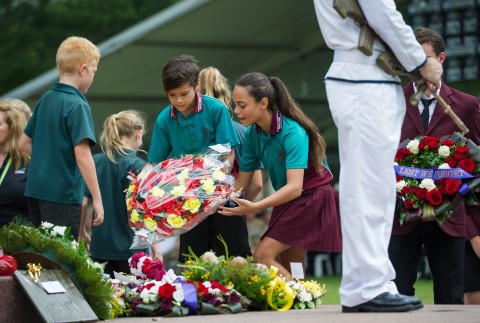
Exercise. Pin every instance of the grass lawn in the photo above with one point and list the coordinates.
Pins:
(423, 289)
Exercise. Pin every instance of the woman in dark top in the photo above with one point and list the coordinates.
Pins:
(13, 164)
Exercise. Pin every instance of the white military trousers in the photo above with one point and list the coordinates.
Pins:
(369, 118)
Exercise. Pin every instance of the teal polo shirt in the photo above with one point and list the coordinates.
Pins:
(174, 136)
(112, 239)
(60, 121)
(285, 147)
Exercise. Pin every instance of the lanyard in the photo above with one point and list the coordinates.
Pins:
(5, 170)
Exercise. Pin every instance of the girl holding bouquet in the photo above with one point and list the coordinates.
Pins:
(120, 140)
(305, 212)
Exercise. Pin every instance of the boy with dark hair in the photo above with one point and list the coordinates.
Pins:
(189, 125)
(58, 137)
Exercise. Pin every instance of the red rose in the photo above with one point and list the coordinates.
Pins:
(448, 142)
(402, 153)
(452, 162)
(430, 142)
(406, 189)
(451, 186)
(399, 178)
(166, 291)
(408, 204)
(467, 164)
(421, 193)
(434, 197)
(460, 152)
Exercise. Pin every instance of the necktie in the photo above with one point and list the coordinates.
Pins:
(426, 112)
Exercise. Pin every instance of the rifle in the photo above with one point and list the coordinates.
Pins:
(387, 60)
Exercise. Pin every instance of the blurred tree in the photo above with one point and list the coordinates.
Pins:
(32, 30)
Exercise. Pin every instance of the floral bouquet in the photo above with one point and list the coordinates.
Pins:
(172, 197)
(163, 293)
(258, 285)
(434, 174)
(307, 293)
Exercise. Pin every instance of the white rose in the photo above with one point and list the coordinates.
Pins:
(60, 230)
(444, 166)
(178, 295)
(47, 225)
(444, 151)
(209, 257)
(413, 146)
(427, 183)
(400, 185)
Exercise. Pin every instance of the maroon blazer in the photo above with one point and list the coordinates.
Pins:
(467, 109)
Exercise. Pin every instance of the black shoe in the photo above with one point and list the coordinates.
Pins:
(414, 300)
(386, 302)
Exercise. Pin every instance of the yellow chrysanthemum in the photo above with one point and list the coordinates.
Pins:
(218, 175)
(150, 224)
(206, 276)
(183, 175)
(176, 221)
(134, 216)
(189, 262)
(178, 190)
(208, 186)
(157, 191)
(193, 205)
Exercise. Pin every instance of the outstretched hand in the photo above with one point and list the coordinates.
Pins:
(244, 207)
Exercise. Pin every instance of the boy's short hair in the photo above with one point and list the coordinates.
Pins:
(180, 70)
(75, 51)
(431, 37)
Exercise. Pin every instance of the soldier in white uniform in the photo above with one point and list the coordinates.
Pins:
(368, 108)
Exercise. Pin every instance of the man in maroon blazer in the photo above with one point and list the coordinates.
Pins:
(445, 245)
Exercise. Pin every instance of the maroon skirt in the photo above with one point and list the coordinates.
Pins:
(310, 222)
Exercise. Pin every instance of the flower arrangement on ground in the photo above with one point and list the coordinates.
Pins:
(56, 243)
(159, 292)
(307, 293)
(259, 286)
(433, 173)
(172, 197)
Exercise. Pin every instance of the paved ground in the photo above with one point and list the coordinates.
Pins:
(332, 314)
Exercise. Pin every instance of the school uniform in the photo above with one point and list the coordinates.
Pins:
(112, 240)
(368, 107)
(445, 241)
(12, 192)
(175, 136)
(311, 221)
(60, 121)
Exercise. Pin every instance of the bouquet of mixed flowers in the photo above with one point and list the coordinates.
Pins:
(434, 174)
(172, 197)
(259, 286)
(307, 293)
(155, 291)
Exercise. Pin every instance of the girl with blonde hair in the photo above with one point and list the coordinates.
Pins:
(121, 138)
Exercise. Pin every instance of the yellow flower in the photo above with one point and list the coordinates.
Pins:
(206, 276)
(183, 175)
(255, 278)
(176, 221)
(157, 191)
(150, 224)
(230, 284)
(262, 290)
(178, 190)
(134, 216)
(189, 262)
(273, 271)
(208, 186)
(131, 188)
(192, 205)
(218, 175)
